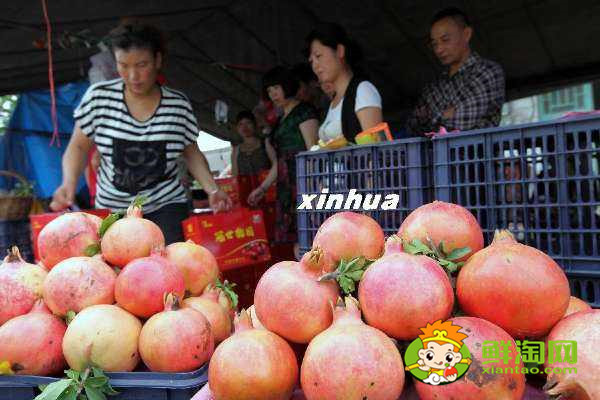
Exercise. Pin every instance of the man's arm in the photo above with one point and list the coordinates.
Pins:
(73, 164)
(198, 166)
(482, 103)
(422, 119)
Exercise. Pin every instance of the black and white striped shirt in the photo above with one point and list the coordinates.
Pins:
(137, 157)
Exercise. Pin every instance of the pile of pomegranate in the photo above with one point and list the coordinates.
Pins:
(334, 325)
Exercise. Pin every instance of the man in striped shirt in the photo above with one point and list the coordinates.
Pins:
(470, 92)
(140, 129)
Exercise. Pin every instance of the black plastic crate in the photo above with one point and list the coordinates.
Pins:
(541, 181)
(130, 385)
(401, 167)
(16, 233)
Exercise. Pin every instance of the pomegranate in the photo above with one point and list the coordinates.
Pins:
(477, 383)
(78, 282)
(41, 351)
(208, 305)
(443, 222)
(347, 235)
(400, 293)
(105, 336)
(291, 302)
(351, 361)
(130, 238)
(67, 236)
(252, 364)
(177, 339)
(575, 305)
(226, 296)
(20, 285)
(577, 381)
(507, 283)
(198, 265)
(142, 284)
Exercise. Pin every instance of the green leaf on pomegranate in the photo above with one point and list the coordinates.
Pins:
(69, 317)
(97, 381)
(93, 393)
(71, 373)
(92, 250)
(458, 253)
(139, 201)
(69, 394)
(107, 222)
(227, 288)
(54, 390)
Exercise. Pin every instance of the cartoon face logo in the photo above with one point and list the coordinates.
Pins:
(439, 355)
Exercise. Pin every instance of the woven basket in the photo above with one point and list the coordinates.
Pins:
(14, 208)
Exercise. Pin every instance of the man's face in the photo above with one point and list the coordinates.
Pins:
(439, 356)
(450, 40)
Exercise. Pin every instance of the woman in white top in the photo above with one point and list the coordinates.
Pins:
(334, 59)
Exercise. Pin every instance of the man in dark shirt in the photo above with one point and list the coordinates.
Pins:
(470, 92)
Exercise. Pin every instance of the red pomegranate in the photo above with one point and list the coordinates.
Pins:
(579, 380)
(477, 383)
(198, 265)
(576, 305)
(130, 238)
(507, 283)
(141, 286)
(443, 222)
(20, 285)
(105, 336)
(400, 293)
(32, 343)
(347, 235)
(208, 305)
(252, 364)
(67, 236)
(79, 282)
(351, 361)
(177, 339)
(291, 302)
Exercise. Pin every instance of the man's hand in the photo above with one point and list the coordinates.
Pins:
(219, 201)
(63, 197)
(449, 113)
(452, 377)
(256, 195)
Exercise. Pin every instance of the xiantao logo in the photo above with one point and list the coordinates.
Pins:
(353, 200)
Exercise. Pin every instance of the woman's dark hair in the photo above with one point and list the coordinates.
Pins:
(126, 37)
(332, 35)
(281, 76)
(245, 114)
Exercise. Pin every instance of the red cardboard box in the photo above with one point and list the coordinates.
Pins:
(236, 239)
(38, 221)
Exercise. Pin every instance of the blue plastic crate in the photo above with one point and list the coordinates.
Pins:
(16, 233)
(586, 286)
(401, 167)
(130, 385)
(541, 181)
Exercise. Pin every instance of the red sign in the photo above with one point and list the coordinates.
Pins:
(236, 239)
